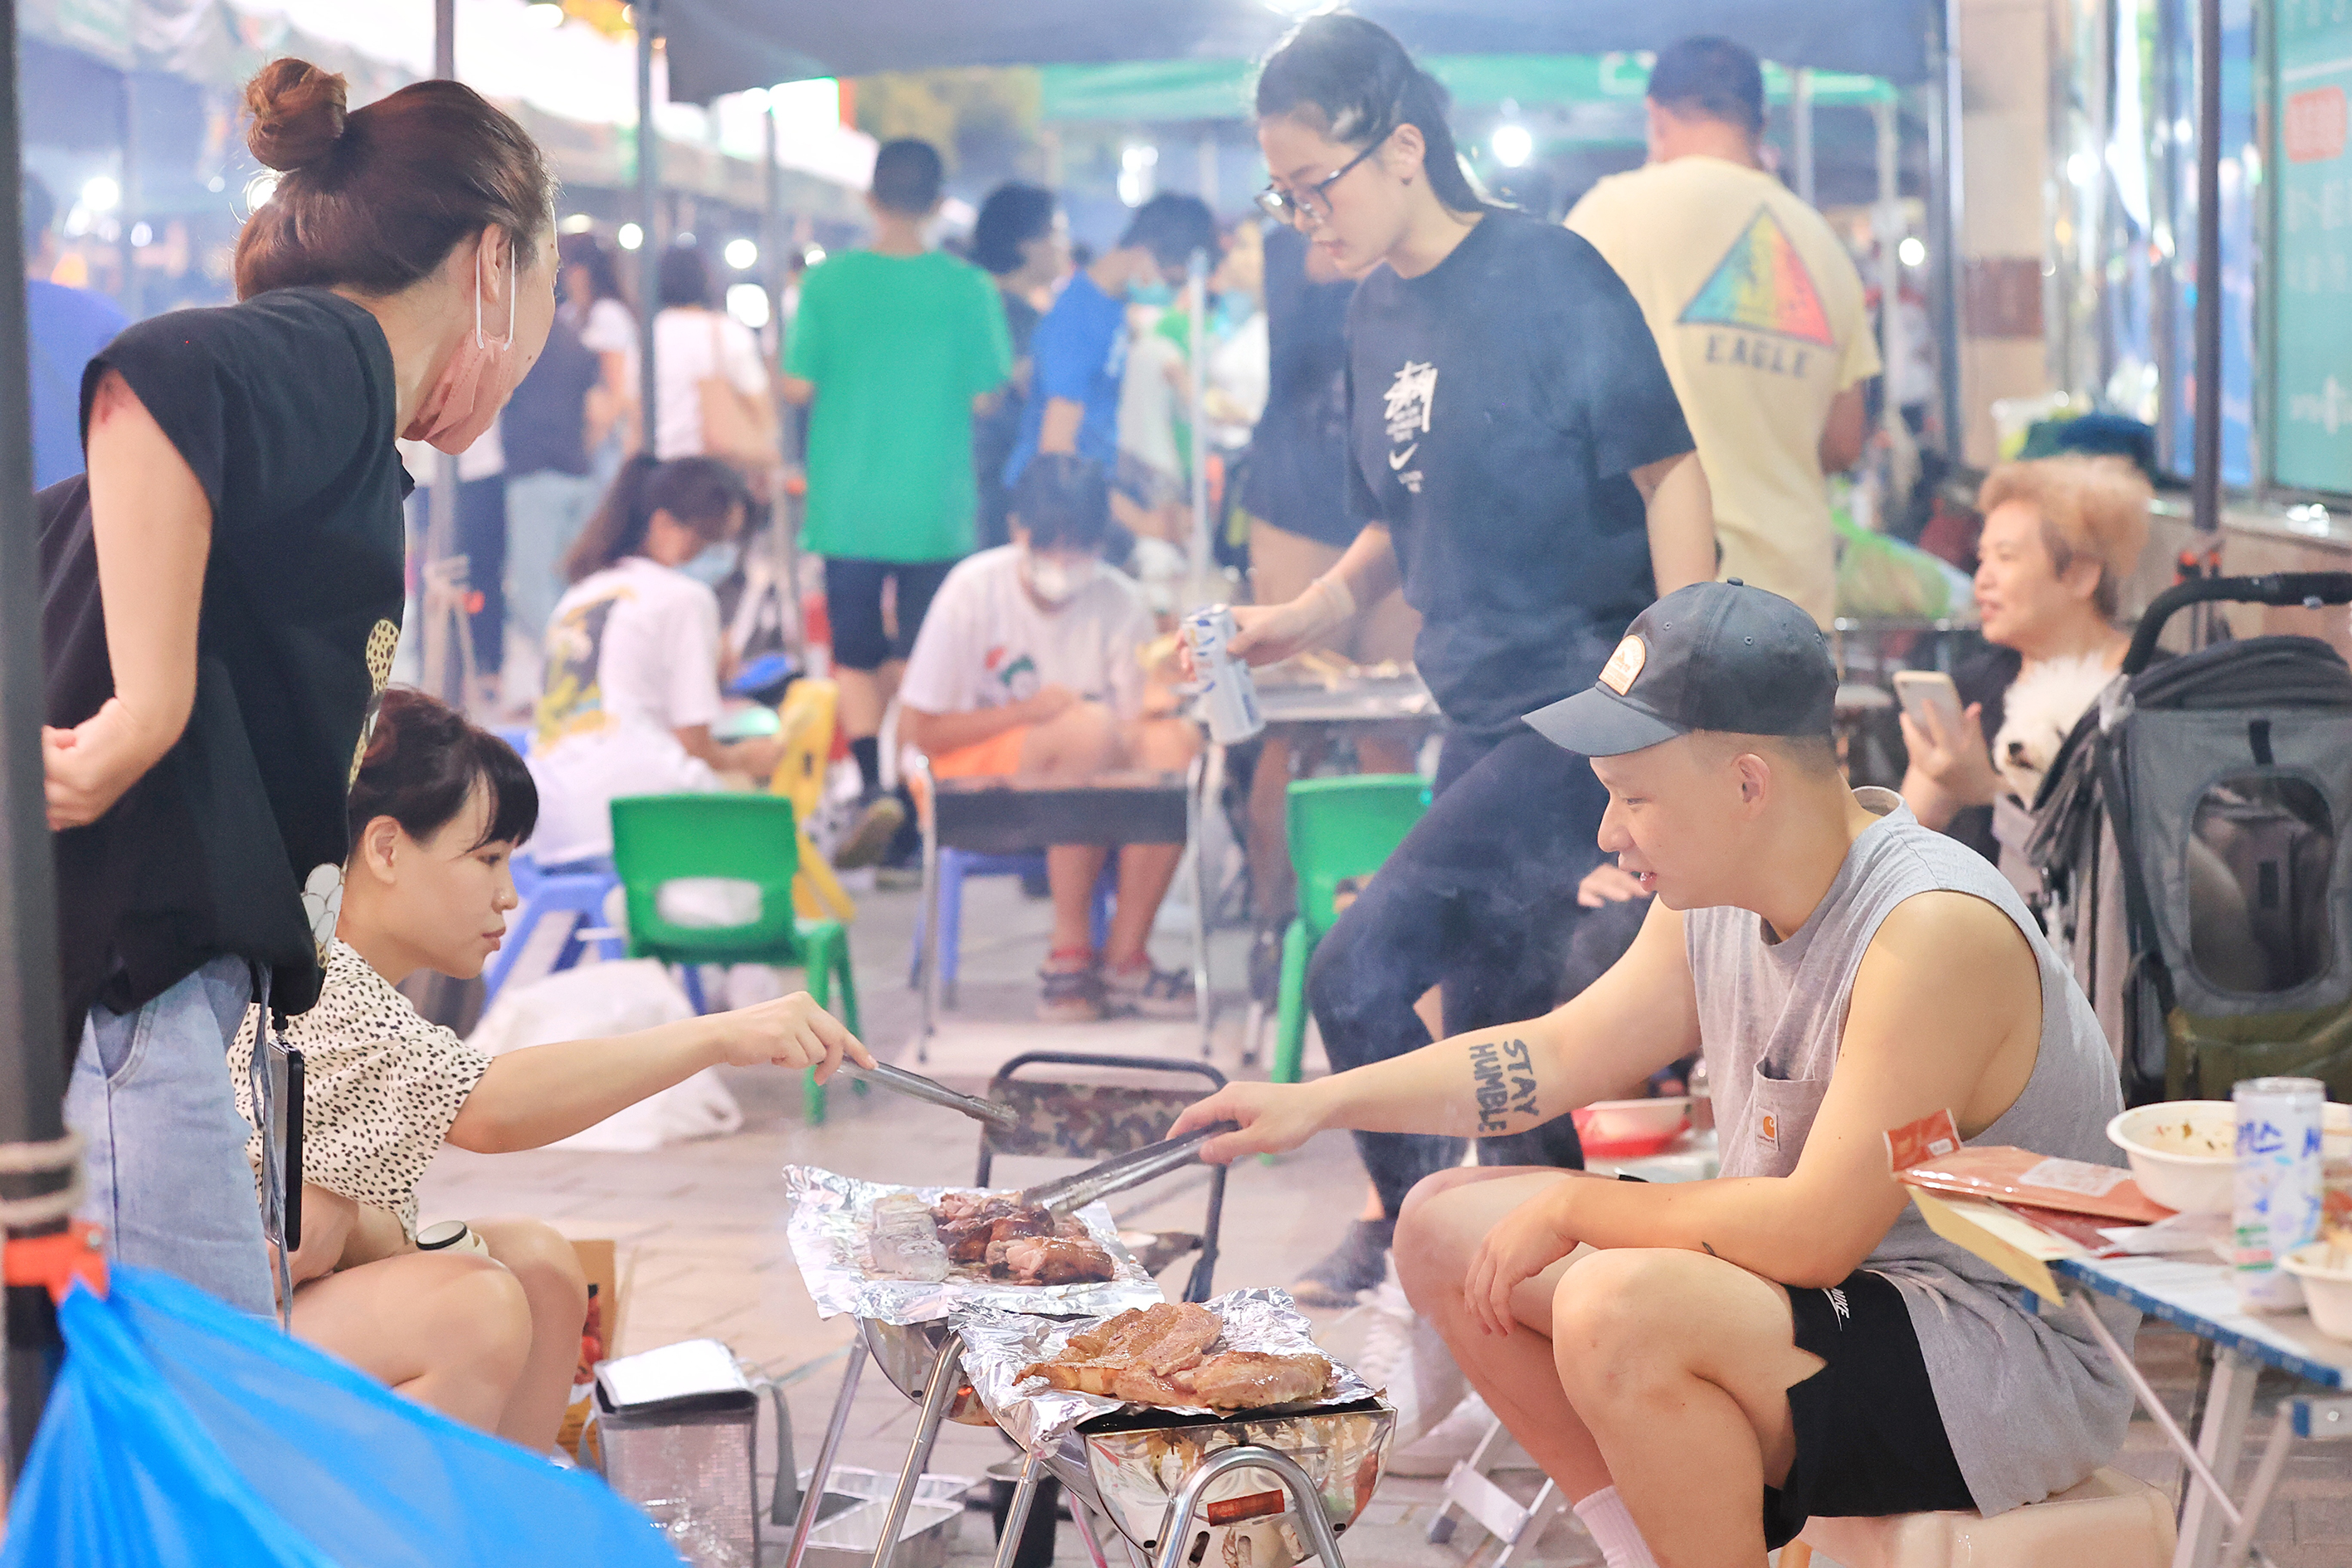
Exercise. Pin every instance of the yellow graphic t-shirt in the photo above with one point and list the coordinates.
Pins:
(1760, 318)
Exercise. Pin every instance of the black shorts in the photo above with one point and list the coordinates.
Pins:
(1870, 1439)
(852, 601)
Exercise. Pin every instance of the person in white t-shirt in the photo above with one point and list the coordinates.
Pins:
(1029, 664)
(634, 654)
(607, 326)
(695, 342)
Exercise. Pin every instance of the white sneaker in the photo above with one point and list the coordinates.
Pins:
(1403, 1356)
(1445, 1445)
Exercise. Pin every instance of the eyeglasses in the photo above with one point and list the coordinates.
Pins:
(1313, 204)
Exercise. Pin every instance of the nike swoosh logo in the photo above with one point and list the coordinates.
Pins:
(1399, 460)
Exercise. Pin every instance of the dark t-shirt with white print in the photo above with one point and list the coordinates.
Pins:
(1498, 406)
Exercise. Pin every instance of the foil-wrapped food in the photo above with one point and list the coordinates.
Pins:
(908, 1255)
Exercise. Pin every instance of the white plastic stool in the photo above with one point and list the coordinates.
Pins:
(2111, 1520)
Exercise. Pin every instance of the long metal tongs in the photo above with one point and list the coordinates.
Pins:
(914, 1086)
(1123, 1171)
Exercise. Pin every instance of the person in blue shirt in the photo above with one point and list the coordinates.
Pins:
(65, 328)
(1080, 351)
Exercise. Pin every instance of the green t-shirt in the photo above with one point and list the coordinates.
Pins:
(897, 347)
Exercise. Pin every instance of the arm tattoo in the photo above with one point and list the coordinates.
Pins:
(1711, 1252)
(1503, 1079)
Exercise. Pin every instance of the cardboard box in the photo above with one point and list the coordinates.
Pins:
(599, 1260)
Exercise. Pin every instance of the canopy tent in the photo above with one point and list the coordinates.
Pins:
(1220, 89)
(730, 45)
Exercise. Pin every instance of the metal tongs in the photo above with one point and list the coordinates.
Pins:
(1121, 1172)
(914, 1086)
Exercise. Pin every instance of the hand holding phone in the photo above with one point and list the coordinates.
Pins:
(1919, 690)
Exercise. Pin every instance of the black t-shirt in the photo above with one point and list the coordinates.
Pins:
(997, 432)
(1299, 458)
(1498, 405)
(234, 843)
(545, 427)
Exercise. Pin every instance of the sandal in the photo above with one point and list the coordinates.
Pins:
(1070, 989)
(1140, 989)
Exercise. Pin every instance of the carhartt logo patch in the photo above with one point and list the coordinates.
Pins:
(1624, 665)
(1767, 1130)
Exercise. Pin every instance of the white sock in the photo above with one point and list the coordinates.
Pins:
(1614, 1531)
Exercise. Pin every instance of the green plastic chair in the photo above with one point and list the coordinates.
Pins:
(658, 838)
(1340, 827)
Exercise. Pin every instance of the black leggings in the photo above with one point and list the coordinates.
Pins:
(1481, 898)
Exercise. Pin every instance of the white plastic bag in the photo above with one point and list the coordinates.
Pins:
(596, 1000)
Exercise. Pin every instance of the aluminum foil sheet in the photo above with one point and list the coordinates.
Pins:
(830, 1218)
(1133, 1459)
(997, 1344)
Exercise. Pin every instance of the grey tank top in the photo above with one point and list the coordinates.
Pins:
(2029, 1403)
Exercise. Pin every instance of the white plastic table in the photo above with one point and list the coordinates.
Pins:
(2193, 1291)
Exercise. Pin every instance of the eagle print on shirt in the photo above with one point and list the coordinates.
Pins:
(1406, 412)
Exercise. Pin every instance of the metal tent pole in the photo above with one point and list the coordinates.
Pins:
(1946, 226)
(2205, 484)
(1196, 301)
(783, 527)
(441, 586)
(648, 25)
(1887, 220)
(32, 1025)
(1801, 121)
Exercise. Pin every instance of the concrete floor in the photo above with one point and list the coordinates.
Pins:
(703, 1252)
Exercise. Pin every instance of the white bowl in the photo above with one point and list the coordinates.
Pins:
(2326, 1290)
(2183, 1152)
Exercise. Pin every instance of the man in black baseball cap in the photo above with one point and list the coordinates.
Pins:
(1672, 1353)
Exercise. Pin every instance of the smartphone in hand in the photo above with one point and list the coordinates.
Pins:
(1920, 690)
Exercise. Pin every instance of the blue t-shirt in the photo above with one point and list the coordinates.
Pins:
(1079, 353)
(65, 328)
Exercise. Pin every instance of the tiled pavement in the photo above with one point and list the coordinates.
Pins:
(703, 1251)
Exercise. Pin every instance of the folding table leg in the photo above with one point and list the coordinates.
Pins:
(928, 972)
(1207, 768)
(947, 1376)
(1017, 1513)
(1083, 1517)
(822, 1471)
(2220, 1440)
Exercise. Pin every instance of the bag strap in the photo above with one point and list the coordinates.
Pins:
(281, 1209)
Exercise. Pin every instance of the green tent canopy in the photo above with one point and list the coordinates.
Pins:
(1150, 91)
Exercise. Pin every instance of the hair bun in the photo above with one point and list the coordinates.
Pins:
(298, 114)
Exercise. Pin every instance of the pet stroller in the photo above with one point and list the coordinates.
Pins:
(2194, 854)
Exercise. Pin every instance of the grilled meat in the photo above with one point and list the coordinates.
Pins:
(1048, 1261)
(1135, 1357)
(969, 1222)
(1252, 1380)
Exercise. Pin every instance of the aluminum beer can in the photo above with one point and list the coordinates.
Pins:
(1227, 691)
(2278, 1187)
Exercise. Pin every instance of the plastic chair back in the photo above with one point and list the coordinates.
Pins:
(1343, 828)
(659, 838)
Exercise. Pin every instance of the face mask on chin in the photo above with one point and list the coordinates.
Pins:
(1155, 292)
(1056, 583)
(716, 563)
(473, 385)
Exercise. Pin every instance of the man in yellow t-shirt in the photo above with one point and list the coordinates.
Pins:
(1759, 313)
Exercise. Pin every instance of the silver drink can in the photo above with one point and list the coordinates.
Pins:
(1227, 691)
(2279, 1186)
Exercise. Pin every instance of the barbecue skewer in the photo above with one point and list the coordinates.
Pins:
(1121, 1172)
(914, 1086)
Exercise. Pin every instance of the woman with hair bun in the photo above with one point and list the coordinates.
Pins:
(1519, 464)
(218, 628)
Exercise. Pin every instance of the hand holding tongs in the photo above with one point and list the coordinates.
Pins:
(914, 1086)
(1123, 1171)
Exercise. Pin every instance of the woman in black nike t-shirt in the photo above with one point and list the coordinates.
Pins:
(220, 619)
(1521, 464)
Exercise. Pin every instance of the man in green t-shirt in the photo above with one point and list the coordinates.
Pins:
(895, 346)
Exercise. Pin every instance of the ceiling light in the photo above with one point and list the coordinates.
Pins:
(741, 255)
(630, 236)
(547, 14)
(102, 193)
(1513, 144)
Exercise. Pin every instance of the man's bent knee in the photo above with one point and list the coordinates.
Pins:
(1615, 1308)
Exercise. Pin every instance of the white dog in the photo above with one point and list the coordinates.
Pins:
(2040, 713)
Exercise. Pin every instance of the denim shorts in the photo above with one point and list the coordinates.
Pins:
(164, 1144)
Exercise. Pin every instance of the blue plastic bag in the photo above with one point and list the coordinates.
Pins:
(183, 1433)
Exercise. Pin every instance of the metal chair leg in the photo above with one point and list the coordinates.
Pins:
(1206, 770)
(947, 1376)
(822, 1471)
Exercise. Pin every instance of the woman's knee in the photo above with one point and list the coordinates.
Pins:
(541, 1259)
(479, 1310)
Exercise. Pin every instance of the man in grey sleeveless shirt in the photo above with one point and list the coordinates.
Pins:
(1792, 1332)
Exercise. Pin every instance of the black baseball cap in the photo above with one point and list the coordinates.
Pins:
(1714, 655)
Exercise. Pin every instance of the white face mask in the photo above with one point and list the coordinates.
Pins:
(1054, 581)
